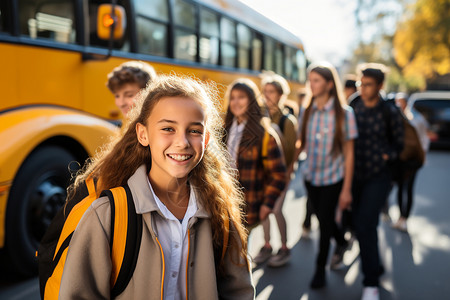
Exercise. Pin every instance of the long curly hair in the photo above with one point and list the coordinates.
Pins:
(219, 194)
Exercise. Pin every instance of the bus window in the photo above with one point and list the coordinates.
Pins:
(185, 45)
(279, 60)
(155, 9)
(288, 62)
(228, 46)
(185, 42)
(184, 14)
(45, 19)
(257, 53)
(301, 64)
(268, 54)
(94, 40)
(244, 41)
(209, 37)
(3, 19)
(152, 37)
(152, 19)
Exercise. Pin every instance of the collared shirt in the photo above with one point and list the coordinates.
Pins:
(234, 139)
(321, 167)
(174, 242)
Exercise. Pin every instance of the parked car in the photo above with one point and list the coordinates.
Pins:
(435, 107)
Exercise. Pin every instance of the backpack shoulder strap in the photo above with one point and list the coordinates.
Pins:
(226, 235)
(126, 234)
(282, 122)
(265, 149)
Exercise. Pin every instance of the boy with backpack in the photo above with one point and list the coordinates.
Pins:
(275, 90)
(379, 143)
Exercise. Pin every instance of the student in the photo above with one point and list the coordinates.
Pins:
(275, 90)
(408, 169)
(349, 86)
(171, 157)
(263, 178)
(379, 142)
(327, 132)
(126, 80)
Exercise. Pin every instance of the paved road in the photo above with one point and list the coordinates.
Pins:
(417, 264)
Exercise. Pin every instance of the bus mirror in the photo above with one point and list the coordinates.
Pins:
(106, 19)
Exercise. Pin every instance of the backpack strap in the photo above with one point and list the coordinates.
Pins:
(74, 217)
(265, 149)
(282, 122)
(226, 235)
(126, 234)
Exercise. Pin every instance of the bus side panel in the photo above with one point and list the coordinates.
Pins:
(22, 130)
(40, 75)
(8, 75)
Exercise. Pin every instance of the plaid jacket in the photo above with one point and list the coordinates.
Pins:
(261, 186)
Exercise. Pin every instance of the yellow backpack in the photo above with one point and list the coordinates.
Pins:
(56, 241)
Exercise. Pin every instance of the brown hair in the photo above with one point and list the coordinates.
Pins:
(278, 82)
(328, 72)
(219, 193)
(130, 72)
(373, 70)
(257, 121)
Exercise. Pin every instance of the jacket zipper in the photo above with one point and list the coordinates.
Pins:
(164, 267)
(187, 263)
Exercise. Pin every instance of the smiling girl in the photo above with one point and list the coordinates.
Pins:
(171, 157)
(263, 177)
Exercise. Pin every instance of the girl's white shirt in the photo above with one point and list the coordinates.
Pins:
(174, 242)
(234, 139)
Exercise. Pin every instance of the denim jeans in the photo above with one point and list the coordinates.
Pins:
(369, 197)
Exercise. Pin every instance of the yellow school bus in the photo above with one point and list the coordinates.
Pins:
(56, 110)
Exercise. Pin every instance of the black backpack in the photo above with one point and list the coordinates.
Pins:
(285, 114)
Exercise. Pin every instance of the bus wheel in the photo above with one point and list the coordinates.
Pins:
(38, 191)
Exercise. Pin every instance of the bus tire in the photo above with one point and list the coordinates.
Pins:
(38, 191)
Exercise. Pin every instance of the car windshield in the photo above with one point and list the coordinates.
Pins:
(434, 109)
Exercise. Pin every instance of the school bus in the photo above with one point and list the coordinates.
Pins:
(56, 110)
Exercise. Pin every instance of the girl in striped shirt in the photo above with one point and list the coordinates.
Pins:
(328, 129)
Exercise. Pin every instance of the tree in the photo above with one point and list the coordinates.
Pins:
(422, 40)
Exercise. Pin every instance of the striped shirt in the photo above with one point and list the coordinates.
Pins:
(321, 168)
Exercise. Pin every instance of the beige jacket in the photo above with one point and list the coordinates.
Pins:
(87, 269)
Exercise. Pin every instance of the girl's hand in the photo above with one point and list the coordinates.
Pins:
(264, 212)
(345, 199)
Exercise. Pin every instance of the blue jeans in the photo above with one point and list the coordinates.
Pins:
(369, 197)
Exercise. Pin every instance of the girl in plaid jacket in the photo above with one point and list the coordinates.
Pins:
(262, 178)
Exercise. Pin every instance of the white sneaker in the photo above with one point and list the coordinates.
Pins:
(370, 293)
